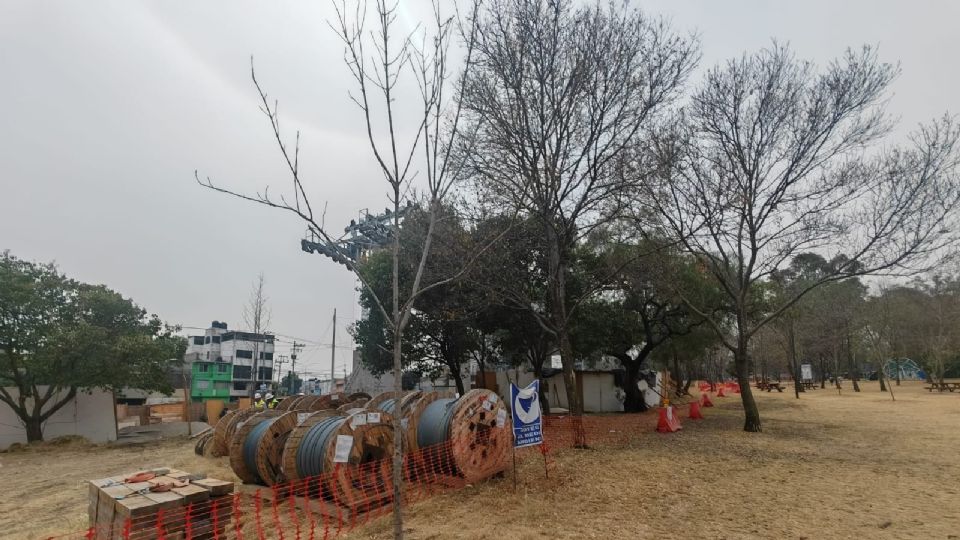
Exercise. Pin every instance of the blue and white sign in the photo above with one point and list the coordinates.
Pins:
(527, 420)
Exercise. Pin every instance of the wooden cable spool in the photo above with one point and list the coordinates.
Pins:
(305, 421)
(288, 403)
(204, 444)
(219, 443)
(244, 467)
(352, 407)
(227, 427)
(270, 448)
(310, 451)
(412, 409)
(357, 396)
(475, 428)
(375, 401)
(307, 403)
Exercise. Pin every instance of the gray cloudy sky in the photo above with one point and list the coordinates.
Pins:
(109, 106)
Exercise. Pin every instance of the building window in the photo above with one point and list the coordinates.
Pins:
(241, 372)
(203, 368)
(203, 385)
(222, 368)
(198, 340)
(206, 339)
(244, 354)
(239, 386)
(266, 355)
(221, 385)
(216, 339)
(266, 374)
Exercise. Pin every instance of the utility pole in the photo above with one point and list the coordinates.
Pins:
(281, 359)
(293, 365)
(333, 354)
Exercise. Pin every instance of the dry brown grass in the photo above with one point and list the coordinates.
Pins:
(826, 466)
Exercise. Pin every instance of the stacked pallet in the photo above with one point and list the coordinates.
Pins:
(156, 503)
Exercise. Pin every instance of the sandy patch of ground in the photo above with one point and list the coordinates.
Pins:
(826, 466)
(44, 489)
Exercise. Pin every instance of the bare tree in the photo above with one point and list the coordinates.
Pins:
(256, 317)
(558, 93)
(773, 158)
(379, 61)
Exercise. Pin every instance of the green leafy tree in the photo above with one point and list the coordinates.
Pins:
(441, 333)
(59, 336)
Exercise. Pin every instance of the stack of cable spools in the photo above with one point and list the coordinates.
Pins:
(464, 436)
(347, 441)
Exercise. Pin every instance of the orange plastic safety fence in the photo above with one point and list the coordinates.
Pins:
(330, 504)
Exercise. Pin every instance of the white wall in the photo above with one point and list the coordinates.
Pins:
(88, 415)
(599, 392)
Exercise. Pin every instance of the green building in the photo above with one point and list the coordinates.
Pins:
(211, 380)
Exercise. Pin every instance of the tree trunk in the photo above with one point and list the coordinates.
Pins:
(569, 376)
(677, 373)
(557, 273)
(34, 429)
(633, 400)
(852, 368)
(751, 413)
(883, 385)
(458, 379)
(795, 363)
(897, 363)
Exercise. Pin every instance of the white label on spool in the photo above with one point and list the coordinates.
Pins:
(358, 420)
(501, 417)
(492, 398)
(301, 416)
(240, 424)
(373, 418)
(457, 395)
(488, 405)
(335, 397)
(342, 451)
(404, 423)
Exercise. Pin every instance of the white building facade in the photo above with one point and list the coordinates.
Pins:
(234, 351)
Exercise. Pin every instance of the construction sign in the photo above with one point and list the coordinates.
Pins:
(527, 420)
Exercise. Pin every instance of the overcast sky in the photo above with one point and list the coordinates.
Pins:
(109, 107)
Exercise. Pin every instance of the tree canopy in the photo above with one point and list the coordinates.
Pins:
(59, 336)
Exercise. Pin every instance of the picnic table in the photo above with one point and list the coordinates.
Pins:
(768, 386)
(943, 386)
(809, 385)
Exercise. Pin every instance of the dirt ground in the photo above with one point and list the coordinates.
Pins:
(826, 466)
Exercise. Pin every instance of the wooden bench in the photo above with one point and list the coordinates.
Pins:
(944, 386)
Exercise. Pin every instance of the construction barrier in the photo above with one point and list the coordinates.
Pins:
(327, 502)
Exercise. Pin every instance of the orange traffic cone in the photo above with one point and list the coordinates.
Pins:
(668, 421)
(695, 413)
(720, 392)
(705, 400)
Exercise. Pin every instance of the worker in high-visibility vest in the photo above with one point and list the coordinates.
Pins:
(271, 401)
(258, 402)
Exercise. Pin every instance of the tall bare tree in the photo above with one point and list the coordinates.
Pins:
(382, 64)
(256, 317)
(558, 93)
(773, 157)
